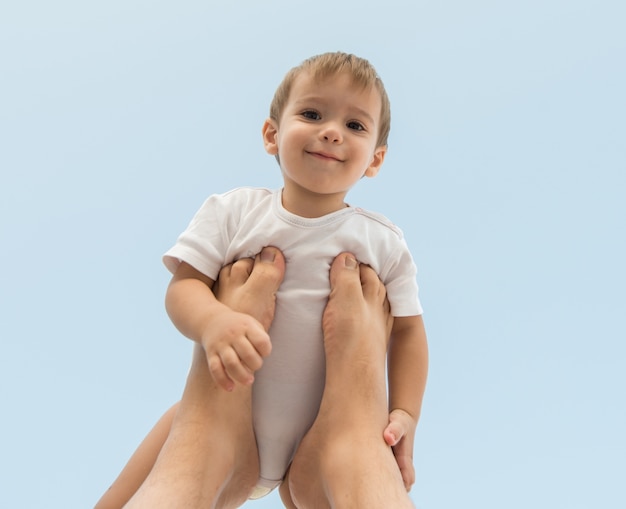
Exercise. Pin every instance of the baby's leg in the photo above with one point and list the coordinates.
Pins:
(209, 458)
(343, 461)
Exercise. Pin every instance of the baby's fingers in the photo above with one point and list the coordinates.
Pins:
(218, 372)
(235, 369)
(249, 356)
(236, 357)
(260, 341)
(407, 470)
(226, 369)
(394, 432)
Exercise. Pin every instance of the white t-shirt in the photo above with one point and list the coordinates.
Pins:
(288, 388)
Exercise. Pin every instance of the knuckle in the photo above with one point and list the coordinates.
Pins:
(214, 364)
(264, 346)
(253, 362)
(230, 360)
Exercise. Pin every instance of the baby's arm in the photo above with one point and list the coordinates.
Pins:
(407, 372)
(234, 343)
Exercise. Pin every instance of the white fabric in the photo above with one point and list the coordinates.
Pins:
(238, 224)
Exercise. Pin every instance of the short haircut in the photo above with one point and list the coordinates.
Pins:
(330, 64)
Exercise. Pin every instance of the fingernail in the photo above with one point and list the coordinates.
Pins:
(350, 262)
(267, 255)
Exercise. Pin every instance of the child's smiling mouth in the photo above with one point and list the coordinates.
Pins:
(325, 156)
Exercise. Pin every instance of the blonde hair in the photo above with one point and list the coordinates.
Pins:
(330, 64)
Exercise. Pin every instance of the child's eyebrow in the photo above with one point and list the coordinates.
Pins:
(312, 99)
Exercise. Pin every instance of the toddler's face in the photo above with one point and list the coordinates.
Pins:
(326, 139)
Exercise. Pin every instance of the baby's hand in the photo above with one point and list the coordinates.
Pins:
(399, 434)
(235, 345)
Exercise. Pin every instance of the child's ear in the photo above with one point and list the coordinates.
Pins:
(270, 131)
(377, 161)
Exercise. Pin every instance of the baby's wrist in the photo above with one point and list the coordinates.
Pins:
(407, 413)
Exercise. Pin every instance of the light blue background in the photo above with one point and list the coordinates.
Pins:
(506, 172)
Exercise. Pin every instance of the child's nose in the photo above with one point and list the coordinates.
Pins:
(331, 133)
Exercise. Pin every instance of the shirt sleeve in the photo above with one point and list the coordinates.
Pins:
(203, 244)
(400, 278)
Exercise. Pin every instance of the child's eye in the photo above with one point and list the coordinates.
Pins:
(356, 126)
(311, 115)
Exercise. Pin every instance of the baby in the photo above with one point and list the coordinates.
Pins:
(328, 127)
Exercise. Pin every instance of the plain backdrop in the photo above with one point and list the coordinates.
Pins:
(506, 172)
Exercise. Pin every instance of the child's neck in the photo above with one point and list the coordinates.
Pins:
(311, 205)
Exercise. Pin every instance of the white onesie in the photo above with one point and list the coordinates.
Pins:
(288, 388)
